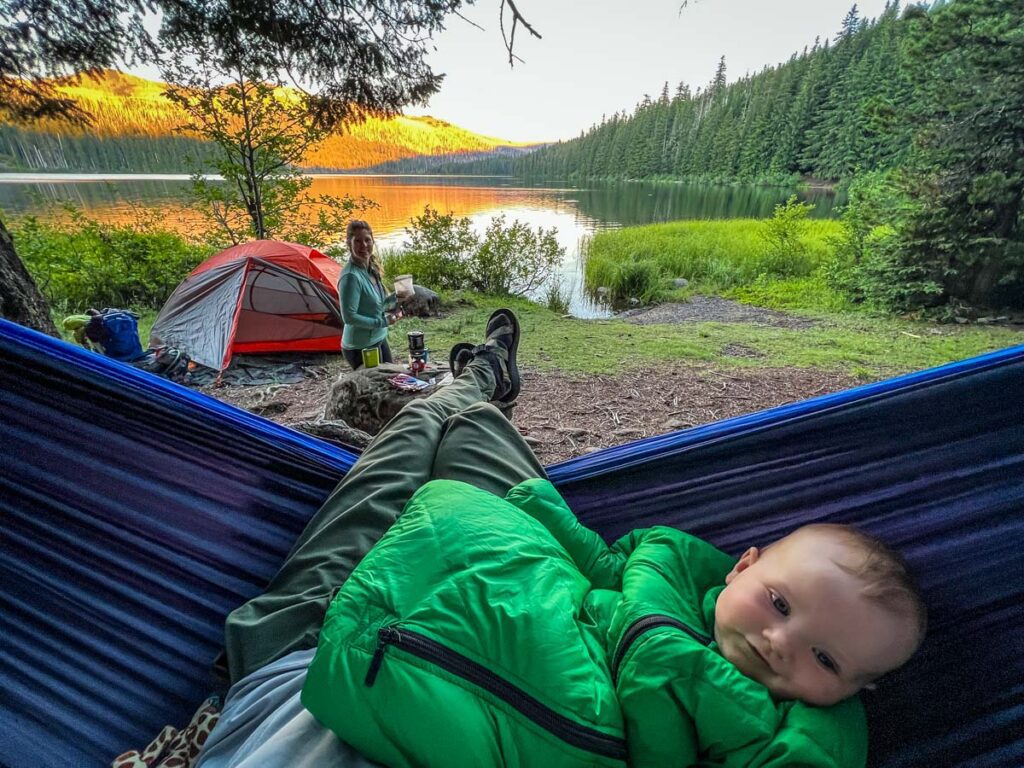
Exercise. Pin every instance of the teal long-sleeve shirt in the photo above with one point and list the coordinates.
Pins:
(363, 304)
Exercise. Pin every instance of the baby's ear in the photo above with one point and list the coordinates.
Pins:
(746, 560)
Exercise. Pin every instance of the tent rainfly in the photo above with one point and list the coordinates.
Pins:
(258, 297)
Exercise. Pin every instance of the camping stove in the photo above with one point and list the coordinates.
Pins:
(418, 352)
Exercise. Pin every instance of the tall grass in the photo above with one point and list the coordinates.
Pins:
(715, 256)
(556, 298)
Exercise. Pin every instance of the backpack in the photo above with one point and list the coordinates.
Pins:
(117, 332)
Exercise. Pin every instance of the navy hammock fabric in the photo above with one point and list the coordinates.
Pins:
(135, 514)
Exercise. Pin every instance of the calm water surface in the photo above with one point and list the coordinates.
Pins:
(576, 212)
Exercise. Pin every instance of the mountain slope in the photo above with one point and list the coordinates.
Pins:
(132, 123)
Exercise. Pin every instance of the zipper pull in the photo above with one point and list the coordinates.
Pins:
(385, 635)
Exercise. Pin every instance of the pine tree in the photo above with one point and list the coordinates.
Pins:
(966, 234)
(719, 82)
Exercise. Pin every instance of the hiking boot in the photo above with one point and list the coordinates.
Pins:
(460, 356)
(500, 346)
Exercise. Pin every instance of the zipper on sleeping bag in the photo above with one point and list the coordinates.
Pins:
(566, 729)
(645, 624)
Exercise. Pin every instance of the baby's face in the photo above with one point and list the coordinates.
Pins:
(793, 620)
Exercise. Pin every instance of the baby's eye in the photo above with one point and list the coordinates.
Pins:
(779, 602)
(825, 660)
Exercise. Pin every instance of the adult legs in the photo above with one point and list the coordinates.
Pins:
(401, 458)
(354, 358)
(481, 447)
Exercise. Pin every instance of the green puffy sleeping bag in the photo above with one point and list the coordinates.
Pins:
(482, 631)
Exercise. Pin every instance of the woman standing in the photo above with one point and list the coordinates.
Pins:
(365, 308)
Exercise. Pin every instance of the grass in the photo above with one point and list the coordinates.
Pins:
(861, 346)
(732, 258)
(865, 347)
(715, 256)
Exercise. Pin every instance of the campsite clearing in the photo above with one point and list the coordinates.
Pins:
(593, 384)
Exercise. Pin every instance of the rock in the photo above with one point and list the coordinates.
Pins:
(961, 320)
(602, 291)
(424, 303)
(634, 301)
(334, 431)
(985, 320)
(269, 410)
(680, 282)
(365, 400)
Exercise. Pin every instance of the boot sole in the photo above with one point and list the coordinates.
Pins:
(515, 384)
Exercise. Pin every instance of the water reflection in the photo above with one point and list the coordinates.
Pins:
(576, 212)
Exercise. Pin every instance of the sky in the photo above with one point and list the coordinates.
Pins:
(601, 56)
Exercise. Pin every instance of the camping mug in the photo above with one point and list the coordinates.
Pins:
(403, 286)
(371, 357)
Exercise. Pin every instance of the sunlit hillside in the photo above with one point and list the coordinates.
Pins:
(128, 108)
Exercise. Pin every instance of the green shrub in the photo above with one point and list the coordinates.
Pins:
(784, 235)
(438, 252)
(514, 259)
(85, 263)
(444, 253)
(868, 265)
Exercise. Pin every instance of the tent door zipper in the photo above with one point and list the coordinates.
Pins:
(566, 729)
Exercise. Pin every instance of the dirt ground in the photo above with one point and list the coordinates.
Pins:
(704, 309)
(564, 416)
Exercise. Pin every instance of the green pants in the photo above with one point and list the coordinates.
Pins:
(454, 434)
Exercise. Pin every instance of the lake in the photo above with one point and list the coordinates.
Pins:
(575, 211)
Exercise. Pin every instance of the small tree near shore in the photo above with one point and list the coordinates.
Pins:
(260, 132)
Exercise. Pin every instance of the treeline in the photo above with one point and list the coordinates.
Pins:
(39, 151)
(134, 128)
(829, 112)
(500, 161)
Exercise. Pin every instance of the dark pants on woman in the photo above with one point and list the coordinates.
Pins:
(355, 356)
(454, 434)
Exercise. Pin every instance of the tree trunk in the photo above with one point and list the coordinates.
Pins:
(20, 299)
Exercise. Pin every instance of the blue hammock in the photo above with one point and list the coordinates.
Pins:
(135, 514)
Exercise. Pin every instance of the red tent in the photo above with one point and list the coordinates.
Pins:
(263, 296)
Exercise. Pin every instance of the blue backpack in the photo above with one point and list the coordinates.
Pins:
(117, 331)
